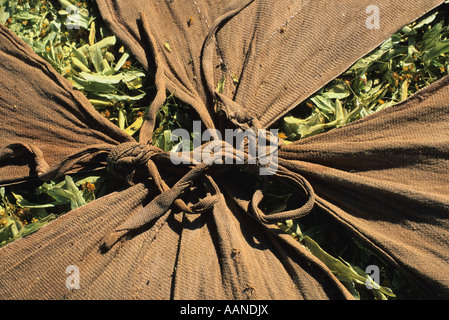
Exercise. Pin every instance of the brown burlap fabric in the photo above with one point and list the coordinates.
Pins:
(195, 231)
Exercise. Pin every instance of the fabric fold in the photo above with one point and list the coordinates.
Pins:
(386, 179)
(41, 111)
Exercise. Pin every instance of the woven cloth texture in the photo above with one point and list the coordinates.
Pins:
(383, 178)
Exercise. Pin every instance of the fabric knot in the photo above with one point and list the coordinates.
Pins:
(127, 159)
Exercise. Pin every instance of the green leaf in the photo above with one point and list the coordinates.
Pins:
(20, 201)
(77, 199)
(426, 21)
(25, 15)
(97, 58)
(324, 104)
(162, 139)
(440, 48)
(296, 128)
(112, 79)
(91, 179)
(92, 33)
(121, 62)
(95, 87)
(340, 269)
(121, 119)
(341, 115)
(344, 271)
(362, 65)
(102, 44)
(10, 230)
(431, 37)
(292, 228)
(390, 42)
(7, 234)
(221, 84)
(336, 91)
(3, 17)
(65, 192)
(123, 97)
(101, 103)
(80, 65)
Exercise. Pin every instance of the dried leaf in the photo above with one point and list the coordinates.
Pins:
(167, 46)
(92, 33)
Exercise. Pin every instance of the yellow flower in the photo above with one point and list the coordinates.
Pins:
(90, 187)
(282, 135)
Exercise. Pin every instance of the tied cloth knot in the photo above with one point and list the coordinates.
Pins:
(127, 159)
(126, 156)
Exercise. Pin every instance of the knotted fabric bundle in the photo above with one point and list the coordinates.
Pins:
(196, 230)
